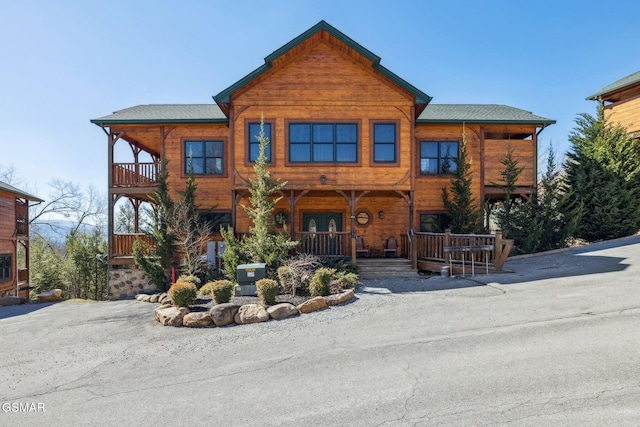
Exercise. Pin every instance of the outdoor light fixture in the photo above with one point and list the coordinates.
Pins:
(323, 179)
(381, 214)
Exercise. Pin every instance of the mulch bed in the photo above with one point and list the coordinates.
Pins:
(204, 303)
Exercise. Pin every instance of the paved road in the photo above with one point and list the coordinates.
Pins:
(556, 342)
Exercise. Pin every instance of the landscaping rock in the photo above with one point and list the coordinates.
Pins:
(162, 296)
(10, 300)
(146, 298)
(165, 300)
(223, 314)
(198, 319)
(340, 298)
(154, 298)
(282, 311)
(139, 297)
(314, 304)
(50, 296)
(251, 313)
(171, 316)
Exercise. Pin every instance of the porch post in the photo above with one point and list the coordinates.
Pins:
(352, 217)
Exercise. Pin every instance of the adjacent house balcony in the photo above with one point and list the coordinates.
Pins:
(128, 175)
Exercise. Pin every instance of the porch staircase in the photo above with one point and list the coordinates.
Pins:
(386, 268)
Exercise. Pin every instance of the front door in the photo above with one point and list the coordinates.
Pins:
(323, 228)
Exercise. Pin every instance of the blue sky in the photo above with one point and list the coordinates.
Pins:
(66, 62)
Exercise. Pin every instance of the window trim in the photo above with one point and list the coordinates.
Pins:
(419, 153)
(372, 147)
(247, 123)
(9, 267)
(356, 122)
(225, 159)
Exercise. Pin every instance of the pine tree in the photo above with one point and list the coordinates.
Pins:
(464, 214)
(603, 173)
(262, 244)
(510, 175)
(156, 260)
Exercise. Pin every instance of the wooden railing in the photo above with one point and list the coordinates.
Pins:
(324, 243)
(431, 247)
(135, 174)
(122, 244)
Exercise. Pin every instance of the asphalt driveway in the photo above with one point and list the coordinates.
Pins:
(555, 342)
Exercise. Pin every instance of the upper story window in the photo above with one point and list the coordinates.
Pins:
(254, 144)
(384, 142)
(5, 267)
(438, 157)
(206, 157)
(323, 142)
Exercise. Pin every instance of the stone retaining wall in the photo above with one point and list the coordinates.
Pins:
(126, 284)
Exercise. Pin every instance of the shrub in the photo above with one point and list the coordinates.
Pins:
(190, 278)
(320, 281)
(297, 272)
(341, 263)
(342, 280)
(267, 290)
(220, 290)
(183, 294)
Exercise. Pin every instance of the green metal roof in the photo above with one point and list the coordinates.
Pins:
(619, 84)
(479, 113)
(165, 113)
(421, 97)
(11, 189)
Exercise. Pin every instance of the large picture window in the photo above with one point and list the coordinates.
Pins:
(206, 157)
(254, 144)
(434, 222)
(217, 220)
(384, 142)
(323, 142)
(5, 268)
(438, 157)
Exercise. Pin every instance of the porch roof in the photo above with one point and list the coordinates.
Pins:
(480, 113)
(618, 84)
(165, 113)
(11, 189)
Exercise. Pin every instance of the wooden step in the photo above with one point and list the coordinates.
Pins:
(377, 268)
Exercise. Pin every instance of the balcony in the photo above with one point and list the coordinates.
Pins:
(128, 175)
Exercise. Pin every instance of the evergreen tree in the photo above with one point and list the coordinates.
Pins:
(463, 211)
(603, 173)
(510, 175)
(156, 260)
(544, 222)
(262, 244)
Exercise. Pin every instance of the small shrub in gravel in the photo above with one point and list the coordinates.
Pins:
(320, 281)
(183, 294)
(189, 278)
(342, 280)
(267, 290)
(220, 290)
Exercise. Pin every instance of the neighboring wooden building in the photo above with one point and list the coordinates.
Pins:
(622, 102)
(363, 151)
(14, 241)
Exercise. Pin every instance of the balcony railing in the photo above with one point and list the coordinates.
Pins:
(122, 244)
(135, 174)
(324, 243)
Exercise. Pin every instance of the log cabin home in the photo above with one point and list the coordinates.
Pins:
(14, 241)
(365, 154)
(622, 102)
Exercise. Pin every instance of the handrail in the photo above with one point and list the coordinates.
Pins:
(135, 174)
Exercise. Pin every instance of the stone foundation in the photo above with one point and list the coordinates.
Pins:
(126, 284)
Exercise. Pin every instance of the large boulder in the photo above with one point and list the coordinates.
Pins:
(282, 311)
(223, 314)
(340, 298)
(198, 319)
(251, 313)
(314, 304)
(171, 316)
(50, 296)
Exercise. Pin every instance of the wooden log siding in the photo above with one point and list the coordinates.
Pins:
(23, 275)
(324, 243)
(122, 244)
(135, 174)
